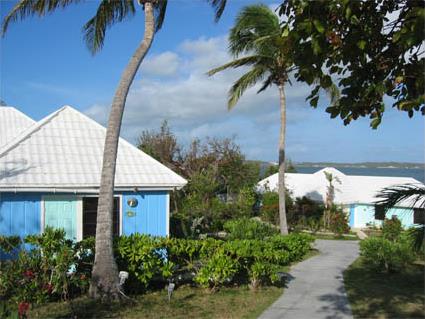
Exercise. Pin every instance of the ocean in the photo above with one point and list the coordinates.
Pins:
(418, 174)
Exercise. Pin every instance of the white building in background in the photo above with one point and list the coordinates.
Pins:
(357, 194)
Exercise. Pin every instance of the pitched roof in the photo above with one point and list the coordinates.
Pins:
(64, 152)
(12, 123)
(349, 189)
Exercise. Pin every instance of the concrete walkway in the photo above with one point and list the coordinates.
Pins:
(315, 288)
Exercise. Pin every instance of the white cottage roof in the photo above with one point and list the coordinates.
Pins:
(64, 151)
(12, 123)
(349, 189)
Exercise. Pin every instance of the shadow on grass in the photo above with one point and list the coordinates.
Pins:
(337, 304)
(396, 295)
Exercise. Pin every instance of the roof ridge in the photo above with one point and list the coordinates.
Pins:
(121, 139)
(38, 125)
(18, 111)
(26, 133)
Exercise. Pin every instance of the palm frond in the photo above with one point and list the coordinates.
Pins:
(414, 194)
(108, 13)
(252, 23)
(246, 81)
(25, 8)
(218, 6)
(268, 82)
(248, 60)
(160, 10)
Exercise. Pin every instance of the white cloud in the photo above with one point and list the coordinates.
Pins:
(196, 105)
(164, 64)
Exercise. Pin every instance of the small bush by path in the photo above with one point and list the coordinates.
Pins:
(375, 294)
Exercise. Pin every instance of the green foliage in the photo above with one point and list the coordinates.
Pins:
(58, 268)
(341, 39)
(246, 228)
(338, 222)
(296, 244)
(52, 269)
(220, 181)
(392, 228)
(162, 145)
(218, 270)
(269, 210)
(144, 257)
(386, 255)
(9, 243)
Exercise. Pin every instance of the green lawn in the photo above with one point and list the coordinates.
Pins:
(187, 302)
(334, 237)
(380, 295)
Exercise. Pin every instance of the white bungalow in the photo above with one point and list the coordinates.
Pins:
(357, 194)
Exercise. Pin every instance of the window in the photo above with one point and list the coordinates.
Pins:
(379, 212)
(90, 216)
(419, 216)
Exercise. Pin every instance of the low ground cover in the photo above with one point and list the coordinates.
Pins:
(186, 302)
(375, 294)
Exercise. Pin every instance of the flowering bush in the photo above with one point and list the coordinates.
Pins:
(47, 272)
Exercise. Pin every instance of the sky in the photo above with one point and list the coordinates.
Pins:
(44, 64)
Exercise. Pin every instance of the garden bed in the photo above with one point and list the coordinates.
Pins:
(382, 295)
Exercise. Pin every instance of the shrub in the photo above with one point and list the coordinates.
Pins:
(218, 270)
(46, 272)
(392, 228)
(245, 228)
(338, 222)
(144, 257)
(386, 255)
(296, 244)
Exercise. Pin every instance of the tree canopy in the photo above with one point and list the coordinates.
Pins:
(369, 48)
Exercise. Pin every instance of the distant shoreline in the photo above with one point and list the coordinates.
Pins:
(386, 165)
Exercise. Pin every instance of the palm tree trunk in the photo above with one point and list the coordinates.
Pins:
(281, 190)
(104, 282)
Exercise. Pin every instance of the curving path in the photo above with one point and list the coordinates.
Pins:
(315, 288)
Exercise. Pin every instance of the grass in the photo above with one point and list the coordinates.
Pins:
(187, 302)
(335, 237)
(381, 295)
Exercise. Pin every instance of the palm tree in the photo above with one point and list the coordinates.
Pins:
(330, 197)
(412, 195)
(104, 282)
(257, 40)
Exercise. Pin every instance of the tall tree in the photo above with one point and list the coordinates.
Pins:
(256, 41)
(104, 283)
(259, 41)
(370, 48)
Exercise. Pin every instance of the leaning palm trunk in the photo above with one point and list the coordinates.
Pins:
(104, 282)
(282, 210)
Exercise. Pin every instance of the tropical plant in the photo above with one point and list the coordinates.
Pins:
(392, 228)
(385, 255)
(330, 197)
(408, 194)
(104, 282)
(372, 48)
(259, 41)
